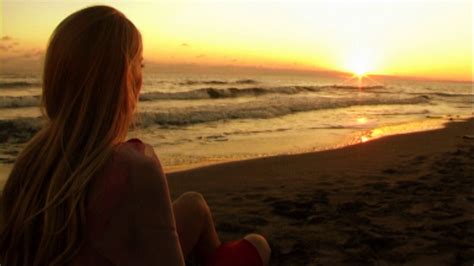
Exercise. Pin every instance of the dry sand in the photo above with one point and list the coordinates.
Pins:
(406, 199)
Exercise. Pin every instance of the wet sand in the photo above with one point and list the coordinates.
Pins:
(405, 199)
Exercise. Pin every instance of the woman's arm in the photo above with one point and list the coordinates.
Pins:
(143, 229)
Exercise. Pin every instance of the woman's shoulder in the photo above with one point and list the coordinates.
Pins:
(126, 175)
(134, 152)
(131, 149)
(133, 164)
(139, 159)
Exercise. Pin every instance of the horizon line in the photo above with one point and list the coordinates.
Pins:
(309, 71)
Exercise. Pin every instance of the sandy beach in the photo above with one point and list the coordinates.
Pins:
(405, 199)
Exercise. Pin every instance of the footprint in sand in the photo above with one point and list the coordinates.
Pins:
(253, 220)
(402, 185)
(418, 160)
(270, 199)
(381, 186)
(237, 198)
(351, 207)
(292, 209)
(390, 171)
(253, 196)
(234, 227)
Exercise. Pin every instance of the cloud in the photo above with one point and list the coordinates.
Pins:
(6, 38)
(20, 55)
(34, 53)
(8, 47)
(7, 44)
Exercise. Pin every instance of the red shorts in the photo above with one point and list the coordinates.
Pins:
(235, 253)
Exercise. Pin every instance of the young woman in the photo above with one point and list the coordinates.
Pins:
(78, 194)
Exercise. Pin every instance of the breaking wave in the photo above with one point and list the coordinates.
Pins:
(19, 130)
(216, 93)
(18, 84)
(443, 94)
(197, 94)
(217, 82)
(261, 109)
(22, 129)
(20, 101)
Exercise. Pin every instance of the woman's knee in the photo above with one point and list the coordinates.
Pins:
(262, 246)
(193, 201)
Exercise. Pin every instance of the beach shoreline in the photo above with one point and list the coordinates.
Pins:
(356, 137)
(402, 199)
(361, 134)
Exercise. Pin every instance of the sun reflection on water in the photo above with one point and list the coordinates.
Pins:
(362, 120)
(411, 127)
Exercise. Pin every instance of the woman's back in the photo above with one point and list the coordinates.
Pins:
(129, 211)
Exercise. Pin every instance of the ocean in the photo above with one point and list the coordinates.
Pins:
(195, 119)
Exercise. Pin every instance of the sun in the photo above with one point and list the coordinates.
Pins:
(360, 73)
(359, 68)
(360, 64)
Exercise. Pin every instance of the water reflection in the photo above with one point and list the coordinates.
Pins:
(362, 120)
(411, 127)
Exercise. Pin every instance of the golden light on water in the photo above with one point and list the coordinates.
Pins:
(364, 138)
(411, 127)
(374, 134)
(362, 120)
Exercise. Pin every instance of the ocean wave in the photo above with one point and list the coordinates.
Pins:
(22, 129)
(19, 101)
(422, 112)
(18, 84)
(216, 82)
(216, 93)
(442, 94)
(19, 130)
(232, 92)
(205, 93)
(348, 87)
(261, 109)
(198, 94)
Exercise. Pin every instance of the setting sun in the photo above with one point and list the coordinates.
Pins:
(360, 64)
(360, 72)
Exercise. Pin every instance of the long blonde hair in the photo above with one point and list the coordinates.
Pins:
(89, 95)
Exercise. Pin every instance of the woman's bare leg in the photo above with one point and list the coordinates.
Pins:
(195, 226)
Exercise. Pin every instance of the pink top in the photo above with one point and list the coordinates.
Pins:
(129, 214)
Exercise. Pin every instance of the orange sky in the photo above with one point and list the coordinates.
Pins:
(425, 38)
